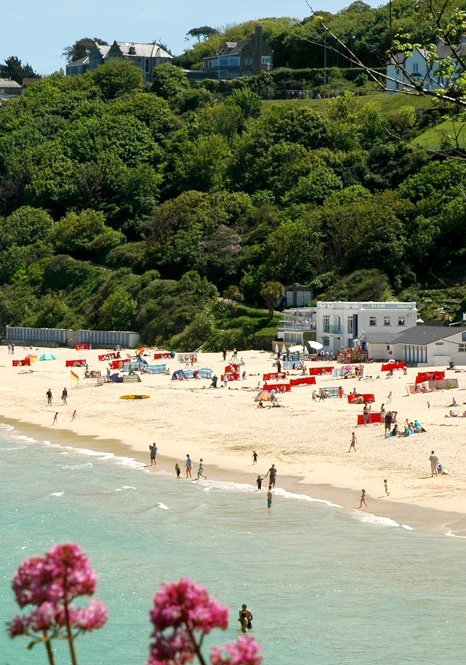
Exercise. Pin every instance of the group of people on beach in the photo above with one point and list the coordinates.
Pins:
(188, 465)
(64, 401)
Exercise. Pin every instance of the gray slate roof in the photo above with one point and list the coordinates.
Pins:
(143, 50)
(9, 83)
(380, 337)
(427, 334)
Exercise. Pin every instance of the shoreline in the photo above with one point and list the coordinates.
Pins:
(407, 515)
(307, 440)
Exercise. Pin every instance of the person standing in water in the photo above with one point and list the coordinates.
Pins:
(177, 470)
(385, 485)
(245, 618)
(269, 497)
(153, 454)
(272, 474)
(188, 465)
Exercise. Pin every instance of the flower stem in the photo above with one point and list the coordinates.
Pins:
(69, 635)
(196, 646)
(48, 648)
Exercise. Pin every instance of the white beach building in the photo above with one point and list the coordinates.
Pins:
(431, 345)
(343, 324)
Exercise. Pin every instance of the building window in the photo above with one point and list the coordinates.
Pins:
(401, 320)
(326, 324)
(326, 341)
(415, 67)
(462, 348)
(147, 63)
(372, 321)
(386, 320)
(350, 325)
(266, 60)
(248, 61)
(338, 324)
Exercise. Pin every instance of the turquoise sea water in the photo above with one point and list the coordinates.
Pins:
(326, 586)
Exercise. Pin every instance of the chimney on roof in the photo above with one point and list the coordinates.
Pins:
(256, 63)
(132, 49)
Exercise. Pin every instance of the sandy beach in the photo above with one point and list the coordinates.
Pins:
(307, 440)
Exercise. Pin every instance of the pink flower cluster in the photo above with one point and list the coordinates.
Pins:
(50, 583)
(245, 651)
(183, 614)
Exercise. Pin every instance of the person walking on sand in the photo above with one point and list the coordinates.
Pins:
(73, 417)
(153, 454)
(200, 470)
(362, 502)
(49, 396)
(353, 443)
(64, 396)
(433, 464)
(254, 457)
(269, 497)
(188, 465)
(55, 418)
(259, 483)
(388, 422)
(385, 486)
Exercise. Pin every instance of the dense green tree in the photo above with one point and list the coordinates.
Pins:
(80, 48)
(25, 226)
(168, 81)
(202, 32)
(118, 311)
(54, 312)
(85, 234)
(117, 78)
(14, 69)
(294, 250)
(272, 293)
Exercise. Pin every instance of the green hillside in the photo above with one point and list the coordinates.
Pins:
(388, 103)
(448, 134)
(183, 211)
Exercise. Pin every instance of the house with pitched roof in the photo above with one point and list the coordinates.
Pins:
(144, 56)
(9, 89)
(244, 58)
(431, 345)
(403, 69)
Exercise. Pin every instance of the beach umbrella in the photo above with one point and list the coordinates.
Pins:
(283, 348)
(31, 358)
(277, 348)
(315, 345)
(262, 396)
(48, 356)
(297, 348)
